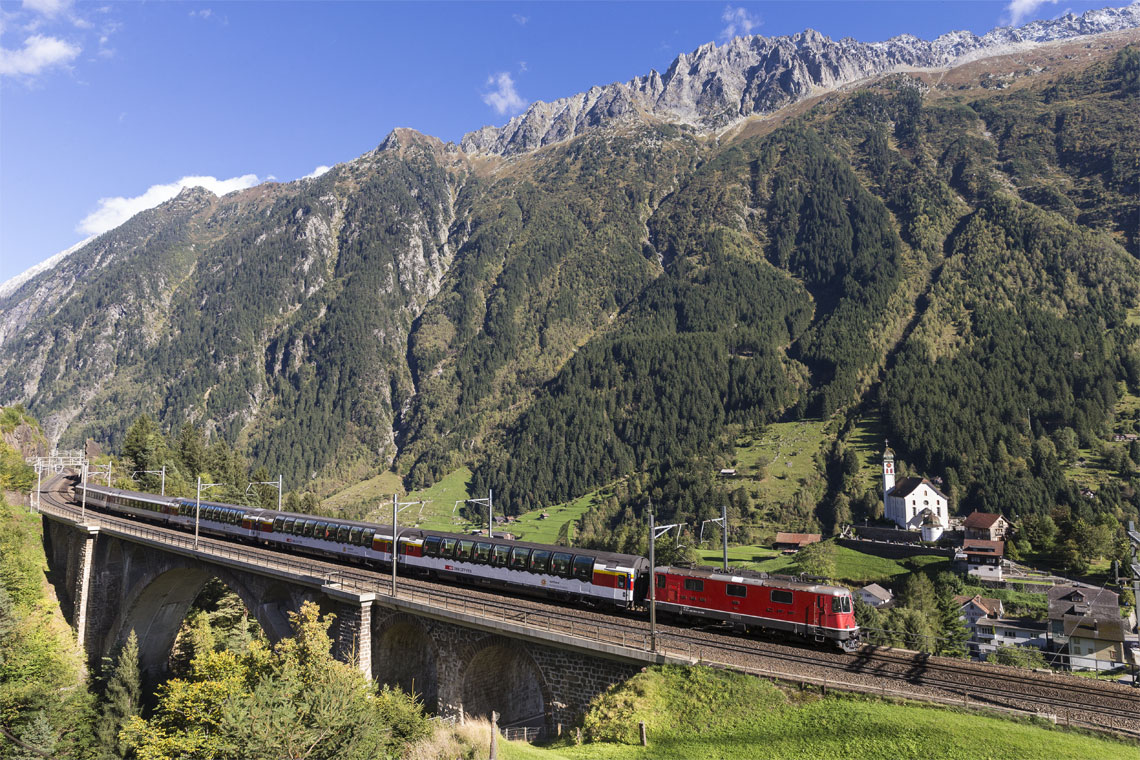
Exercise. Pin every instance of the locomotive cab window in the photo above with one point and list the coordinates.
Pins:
(661, 580)
(694, 584)
(431, 546)
(482, 553)
(519, 557)
(539, 560)
(447, 547)
(735, 589)
(584, 568)
(560, 564)
(501, 556)
(780, 596)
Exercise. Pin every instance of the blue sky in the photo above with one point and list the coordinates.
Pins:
(106, 107)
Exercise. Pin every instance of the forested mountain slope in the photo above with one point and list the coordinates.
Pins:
(957, 249)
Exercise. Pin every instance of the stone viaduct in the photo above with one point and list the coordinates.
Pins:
(111, 581)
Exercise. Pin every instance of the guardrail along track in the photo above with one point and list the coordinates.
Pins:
(890, 673)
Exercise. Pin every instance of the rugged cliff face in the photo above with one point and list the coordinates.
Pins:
(717, 86)
(644, 284)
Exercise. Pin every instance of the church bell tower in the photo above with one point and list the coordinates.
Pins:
(888, 470)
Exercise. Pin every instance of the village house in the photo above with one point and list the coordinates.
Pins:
(992, 633)
(875, 595)
(1085, 623)
(790, 543)
(914, 503)
(982, 559)
(973, 608)
(986, 526)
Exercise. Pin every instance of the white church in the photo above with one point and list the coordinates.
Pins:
(914, 503)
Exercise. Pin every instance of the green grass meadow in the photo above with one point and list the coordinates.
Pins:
(704, 714)
(851, 567)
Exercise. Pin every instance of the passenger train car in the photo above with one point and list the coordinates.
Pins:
(559, 572)
(745, 599)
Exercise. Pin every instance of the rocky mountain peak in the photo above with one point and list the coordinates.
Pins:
(716, 86)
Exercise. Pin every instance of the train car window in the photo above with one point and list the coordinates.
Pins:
(298, 527)
(431, 546)
(463, 549)
(501, 556)
(584, 568)
(482, 553)
(694, 584)
(366, 539)
(623, 581)
(660, 580)
(288, 526)
(321, 529)
(560, 564)
(354, 536)
(307, 528)
(447, 548)
(278, 523)
(735, 589)
(779, 596)
(342, 534)
(519, 557)
(539, 561)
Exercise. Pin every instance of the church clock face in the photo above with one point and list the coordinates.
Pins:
(889, 468)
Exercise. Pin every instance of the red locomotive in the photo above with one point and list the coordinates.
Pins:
(758, 601)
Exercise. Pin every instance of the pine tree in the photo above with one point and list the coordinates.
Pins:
(38, 739)
(953, 631)
(121, 699)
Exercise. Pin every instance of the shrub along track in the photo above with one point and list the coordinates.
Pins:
(888, 672)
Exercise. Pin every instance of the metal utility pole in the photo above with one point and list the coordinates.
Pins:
(267, 483)
(489, 501)
(161, 472)
(83, 501)
(655, 532)
(397, 505)
(723, 522)
(198, 506)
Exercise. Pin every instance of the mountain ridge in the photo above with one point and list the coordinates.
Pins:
(717, 86)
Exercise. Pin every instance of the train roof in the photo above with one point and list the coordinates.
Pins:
(609, 558)
(753, 578)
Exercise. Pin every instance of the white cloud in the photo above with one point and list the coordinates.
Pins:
(504, 98)
(739, 21)
(39, 53)
(49, 8)
(205, 13)
(1019, 9)
(520, 19)
(317, 172)
(114, 211)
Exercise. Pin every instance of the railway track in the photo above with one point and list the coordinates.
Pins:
(872, 670)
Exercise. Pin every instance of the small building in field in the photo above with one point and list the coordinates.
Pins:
(875, 595)
(982, 559)
(985, 526)
(793, 542)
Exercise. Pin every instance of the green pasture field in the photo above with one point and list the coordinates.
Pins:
(703, 714)
(851, 567)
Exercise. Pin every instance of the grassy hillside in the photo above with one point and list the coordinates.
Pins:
(698, 714)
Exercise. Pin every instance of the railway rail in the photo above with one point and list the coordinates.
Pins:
(886, 672)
